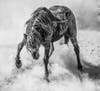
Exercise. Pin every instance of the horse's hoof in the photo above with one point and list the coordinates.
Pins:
(18, 64)
(80, 68)
(47, 79)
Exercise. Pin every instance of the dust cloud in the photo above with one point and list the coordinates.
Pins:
(64, 74)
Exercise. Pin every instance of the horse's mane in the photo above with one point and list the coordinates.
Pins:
(39, 11)
(44, 15)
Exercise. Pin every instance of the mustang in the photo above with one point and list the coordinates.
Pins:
(44, 28)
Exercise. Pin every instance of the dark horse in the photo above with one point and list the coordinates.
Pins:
(44, 28)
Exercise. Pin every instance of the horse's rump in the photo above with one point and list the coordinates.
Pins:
(64, 13)
(61, 12)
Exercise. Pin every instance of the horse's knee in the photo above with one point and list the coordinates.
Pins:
(19, 46)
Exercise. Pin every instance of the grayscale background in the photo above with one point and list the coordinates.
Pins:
(64, 76)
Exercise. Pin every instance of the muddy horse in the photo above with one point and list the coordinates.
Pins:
(46, 26)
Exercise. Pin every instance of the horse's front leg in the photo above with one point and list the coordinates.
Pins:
(20, 46)
(46, 61)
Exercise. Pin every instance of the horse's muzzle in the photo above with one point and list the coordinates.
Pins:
(35, 55)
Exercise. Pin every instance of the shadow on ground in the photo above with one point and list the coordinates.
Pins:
(70, 63)
(92, 70)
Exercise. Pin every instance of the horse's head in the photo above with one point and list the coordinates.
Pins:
(33, 44)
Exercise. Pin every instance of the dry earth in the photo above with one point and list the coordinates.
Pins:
(64, 75)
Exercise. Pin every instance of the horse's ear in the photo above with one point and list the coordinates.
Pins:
(25, 36)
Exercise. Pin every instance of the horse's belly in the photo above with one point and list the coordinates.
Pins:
(56, 37)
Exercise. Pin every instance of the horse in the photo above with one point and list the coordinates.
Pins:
(45, 27)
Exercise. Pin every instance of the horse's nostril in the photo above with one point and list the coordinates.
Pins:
(35, 55)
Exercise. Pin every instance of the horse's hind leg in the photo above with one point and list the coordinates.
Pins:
(77, 52)
(76, 47)
(72, 31)
(20, 46)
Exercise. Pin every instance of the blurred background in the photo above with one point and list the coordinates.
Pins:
(14, 14)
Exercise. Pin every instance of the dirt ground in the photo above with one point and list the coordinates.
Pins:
(64, 74)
